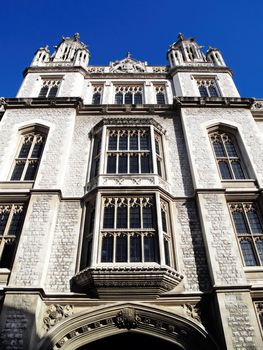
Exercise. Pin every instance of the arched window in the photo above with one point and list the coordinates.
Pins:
(29, 154)
(207, 87)
(160, 99)
(227, 156)
(96, 98)
(138, 98)
(119, 98)
(249, 231)
(49, 88)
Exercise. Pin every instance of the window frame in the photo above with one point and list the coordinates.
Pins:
(217, 132)
(244, 207)
(5, 237)
(33, 131)
(122, 90)
(50, 82)
(206, 82)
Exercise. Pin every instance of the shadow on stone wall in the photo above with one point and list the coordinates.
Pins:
(18, 329)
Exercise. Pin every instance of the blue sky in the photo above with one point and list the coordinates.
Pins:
(146, 28)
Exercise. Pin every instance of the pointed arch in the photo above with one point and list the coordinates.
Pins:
(87, 327)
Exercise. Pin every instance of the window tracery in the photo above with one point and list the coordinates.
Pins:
(97, 95)
(11, 221)
(128, 95)
(160, 95)
(249, 231)
(49, 88)
(207, 88)
(227, 156)
(28, 156)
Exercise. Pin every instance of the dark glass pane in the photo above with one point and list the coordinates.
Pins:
(98, 146)
(135, 217)
(212, 91)
(122, 164)
(203, 91)
(159, 167)
(157, 147)
(128, 98)
(112, 146)
(231, 151)
(111, 164)
(134, 164)
(164, 221)
(145, 163)
(96, 167)
(122, 217)
(237, 169)
(121, 249)
(119, 99)
(16, 224)
(149, 251)
(167, 253)
(8, 255)
(224, 170)
(37, 150)
(254, 221)
(160, 98)
(91, 220)
(147, 217)
(108, 220)
(135, 249)
(259, 244)
(96, 99)
(53, 91)
(123, 142)
(107, 249)
(133, 142)
(248, 254)
(3, 220)
(24, 150)
(17, 173)
(43, 91)
(31, 171)
(138, 98)
(144, 142)
(239, 221)
(218, 148)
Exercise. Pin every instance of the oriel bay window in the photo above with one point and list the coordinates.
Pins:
(11, 221)
(128, 231)
(249, 231)
(129, 151)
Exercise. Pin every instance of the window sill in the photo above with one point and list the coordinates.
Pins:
(236, 184)
(126, 281)
(254, 274)
(119, 180)
(16, 185)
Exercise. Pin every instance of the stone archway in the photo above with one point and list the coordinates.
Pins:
(130, 341)
(87, 330)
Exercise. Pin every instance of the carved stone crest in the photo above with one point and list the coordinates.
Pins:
(128, 65)
(127, 318)
(56, 313)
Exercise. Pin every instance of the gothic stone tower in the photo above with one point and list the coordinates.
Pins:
(130, 204)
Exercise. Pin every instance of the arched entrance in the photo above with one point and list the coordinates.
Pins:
(130, 341)
(127, 326)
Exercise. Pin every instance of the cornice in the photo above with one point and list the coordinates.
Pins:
(114, 109)
(200, 69)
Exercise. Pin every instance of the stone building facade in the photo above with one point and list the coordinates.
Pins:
(130, 204)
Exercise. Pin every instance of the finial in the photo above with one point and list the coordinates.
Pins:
(76, 37)
(180, 36)
(128, 55)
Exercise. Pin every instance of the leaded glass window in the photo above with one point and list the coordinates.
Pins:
(129, 151)
(207, 88)
(249, 231)
(128, 95)
(11, 221)
(129, 230)
(49, 88)
(227, 156)
(28, 156)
